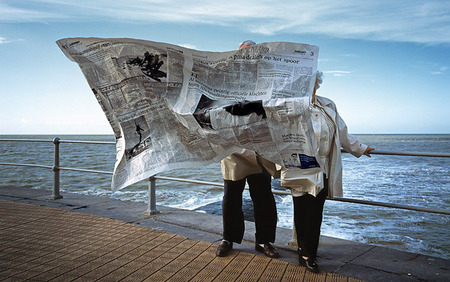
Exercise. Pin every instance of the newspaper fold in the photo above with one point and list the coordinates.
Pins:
(172, 107)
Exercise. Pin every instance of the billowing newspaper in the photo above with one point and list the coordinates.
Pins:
(172, 107)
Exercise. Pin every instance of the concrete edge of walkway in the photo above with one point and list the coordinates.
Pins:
(343, 257)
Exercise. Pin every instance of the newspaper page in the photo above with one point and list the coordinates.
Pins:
(172, 107)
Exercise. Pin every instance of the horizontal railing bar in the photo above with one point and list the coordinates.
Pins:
(61, 141)
(389, 205)
(88, 142)
(411, 154)
(189, 181)
(279, 192)
(85, 170)
(28, 165)
(26, 140)
(211, 183)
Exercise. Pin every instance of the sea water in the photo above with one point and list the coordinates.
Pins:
(406, 180)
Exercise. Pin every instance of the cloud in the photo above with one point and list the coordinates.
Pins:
(12, 14)
(350, 55)
(189, 46)
(4, 40)
(402, 20)
(441, 70)
(25, 121)
(338, 73)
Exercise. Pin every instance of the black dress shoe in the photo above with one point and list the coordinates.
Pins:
(224, 248)
(268, 250)
(309, 263)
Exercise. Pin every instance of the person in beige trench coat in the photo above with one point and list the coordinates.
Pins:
(237, 169)
(310, 186)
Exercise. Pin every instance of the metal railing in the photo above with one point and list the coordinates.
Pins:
(56, 168)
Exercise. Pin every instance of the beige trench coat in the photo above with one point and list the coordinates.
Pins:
(237, 166)
(349, 142)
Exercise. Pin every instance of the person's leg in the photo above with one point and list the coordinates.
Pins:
(301, 213)
(315, 222)
(308, 211)
(265, 210)
(233, 217)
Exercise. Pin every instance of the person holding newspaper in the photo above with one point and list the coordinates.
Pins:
(309, 187)
(237, 169)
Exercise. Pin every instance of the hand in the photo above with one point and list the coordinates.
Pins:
(367, 151)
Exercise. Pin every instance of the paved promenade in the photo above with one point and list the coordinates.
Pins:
(85, 238)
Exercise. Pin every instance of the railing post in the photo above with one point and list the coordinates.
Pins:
(56, 195)
(152, 196)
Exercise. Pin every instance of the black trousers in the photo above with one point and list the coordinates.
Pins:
(265, 210)
(308, 211)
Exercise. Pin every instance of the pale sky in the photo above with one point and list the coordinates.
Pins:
(386, 63)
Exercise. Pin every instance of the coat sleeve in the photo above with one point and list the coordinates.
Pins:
(349, 142)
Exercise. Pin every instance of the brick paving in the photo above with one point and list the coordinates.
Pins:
(40, 243)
